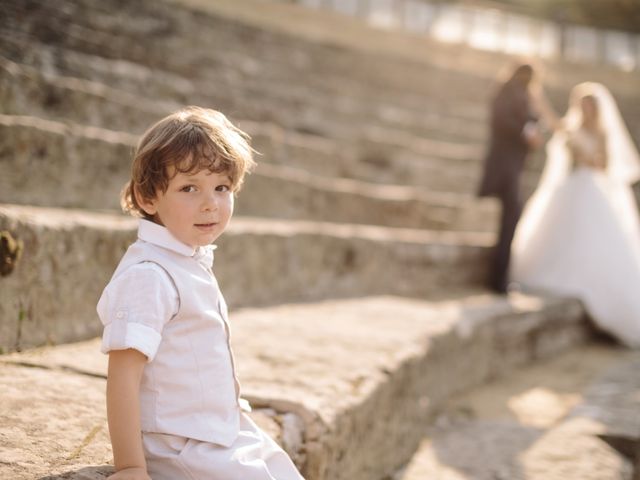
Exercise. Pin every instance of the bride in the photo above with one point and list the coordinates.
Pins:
(579, 234)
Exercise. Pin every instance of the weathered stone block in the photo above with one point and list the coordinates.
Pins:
(357, 380)
(69, 256)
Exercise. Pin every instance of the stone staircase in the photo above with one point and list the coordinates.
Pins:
(358, 236)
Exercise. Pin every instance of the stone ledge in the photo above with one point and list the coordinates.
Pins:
(69, 256)
(357, 380)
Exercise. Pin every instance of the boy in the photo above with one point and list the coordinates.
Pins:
(173, 399)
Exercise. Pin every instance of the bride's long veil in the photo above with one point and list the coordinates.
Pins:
(623, 164)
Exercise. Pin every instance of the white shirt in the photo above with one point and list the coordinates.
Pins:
(164, 301)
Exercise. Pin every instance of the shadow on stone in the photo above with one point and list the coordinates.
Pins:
(98, 472)
(629, 447)
(486, 450)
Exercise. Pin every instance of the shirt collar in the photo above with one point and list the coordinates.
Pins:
(156, 234)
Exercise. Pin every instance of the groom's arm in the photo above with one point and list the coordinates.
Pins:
(511, 115)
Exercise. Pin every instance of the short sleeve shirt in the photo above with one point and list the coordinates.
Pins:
(139, 302)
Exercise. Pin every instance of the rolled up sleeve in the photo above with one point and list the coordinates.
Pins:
(134, 308)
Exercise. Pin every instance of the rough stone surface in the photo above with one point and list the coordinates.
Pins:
(342, 415)
(50, 162)
(69, 256)
(52, 422)
(51, 294)
(45, 160)
(552, 421)
(54, 418)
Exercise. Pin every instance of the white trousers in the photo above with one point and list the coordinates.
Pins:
(253, 456)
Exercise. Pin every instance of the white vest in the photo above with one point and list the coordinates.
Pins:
(190, 388)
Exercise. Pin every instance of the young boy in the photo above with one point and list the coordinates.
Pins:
(173, 399)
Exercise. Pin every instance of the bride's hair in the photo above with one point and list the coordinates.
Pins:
(623, 162)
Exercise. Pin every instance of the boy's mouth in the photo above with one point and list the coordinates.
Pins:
(205, 226)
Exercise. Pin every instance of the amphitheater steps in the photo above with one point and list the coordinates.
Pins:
(252, 52)
(69, 255)
(421, 74)
(399, 155)
(340, 415)
(25, 90)
(329, 85)
(48, 156)
(34, 137)
(96, 104)
(292, 103)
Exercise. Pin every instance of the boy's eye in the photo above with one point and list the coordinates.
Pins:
(223, 188)
(188, 188)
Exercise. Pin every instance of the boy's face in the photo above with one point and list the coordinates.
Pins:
(196, 208)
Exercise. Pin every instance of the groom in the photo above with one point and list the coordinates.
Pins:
(514, 132)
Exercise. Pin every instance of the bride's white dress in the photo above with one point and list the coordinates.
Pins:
(581, 238)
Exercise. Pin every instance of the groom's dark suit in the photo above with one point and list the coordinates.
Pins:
(508, 149)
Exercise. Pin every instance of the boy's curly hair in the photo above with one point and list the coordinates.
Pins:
(187, 141)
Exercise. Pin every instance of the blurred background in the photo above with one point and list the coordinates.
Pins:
(604, 31)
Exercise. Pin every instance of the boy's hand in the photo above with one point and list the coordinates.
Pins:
(133, 473)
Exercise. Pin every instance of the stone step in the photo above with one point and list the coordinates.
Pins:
(50, 158)
(296, 106)
(381, 146)
(120, 74)
(284, 192)
(351, 386)
(251, 62)
(300, 194)
(58, 160)
(25, 90)
(249, 50)
(28, 91)
(574, 416)
(69, 255)
(382, 158)
(53, 163)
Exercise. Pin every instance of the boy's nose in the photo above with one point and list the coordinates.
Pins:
(210, 202)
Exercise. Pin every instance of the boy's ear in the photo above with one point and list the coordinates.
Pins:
(148, 205)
